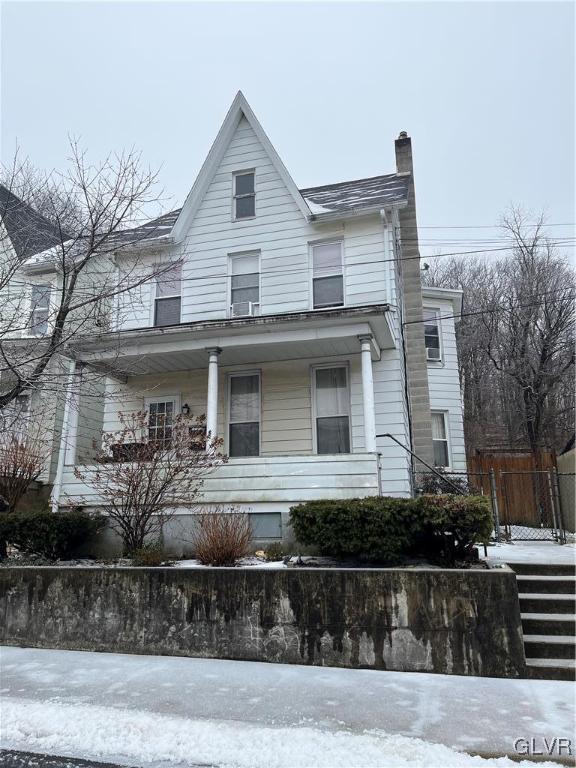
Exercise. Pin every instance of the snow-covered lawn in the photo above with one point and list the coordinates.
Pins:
(532, 552)
(170, 711)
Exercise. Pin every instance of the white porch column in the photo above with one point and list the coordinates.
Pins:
(212, 405)
(368, 394)
(64, 436)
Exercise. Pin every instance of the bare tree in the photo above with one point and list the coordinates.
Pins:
(140, 481)
(59, 274)
(515, 339)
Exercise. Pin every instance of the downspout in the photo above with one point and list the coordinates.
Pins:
(389, 218)
(57, 487)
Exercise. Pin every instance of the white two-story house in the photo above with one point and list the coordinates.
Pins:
(296, 321)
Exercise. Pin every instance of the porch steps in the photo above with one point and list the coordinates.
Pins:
(547, 595)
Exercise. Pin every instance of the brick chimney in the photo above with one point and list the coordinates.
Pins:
(411, 292)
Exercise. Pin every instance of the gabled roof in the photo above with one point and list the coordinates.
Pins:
(348, 196)
(240, 108)
(28, 230)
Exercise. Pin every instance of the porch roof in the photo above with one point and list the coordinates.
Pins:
(242, 340)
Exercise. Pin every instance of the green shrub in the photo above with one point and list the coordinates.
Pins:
(149, 556)
(375, 528)
(452, 524)
(275, 551)
(55, 536)
(384, 529)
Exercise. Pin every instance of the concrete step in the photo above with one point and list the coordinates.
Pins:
(543, 569)
(544, 603)
(551, 669)
(553, 585)
(548, 623)
(550, 646)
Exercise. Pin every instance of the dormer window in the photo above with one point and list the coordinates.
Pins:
(244, 195)
(39, 310)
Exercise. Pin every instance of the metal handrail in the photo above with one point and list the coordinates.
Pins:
(432, 469)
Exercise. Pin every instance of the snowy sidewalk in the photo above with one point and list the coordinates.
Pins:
(548, 552)
(154, 710)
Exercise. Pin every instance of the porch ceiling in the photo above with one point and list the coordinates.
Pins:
(247, 341)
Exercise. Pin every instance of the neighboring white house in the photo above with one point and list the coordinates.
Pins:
(293, 320)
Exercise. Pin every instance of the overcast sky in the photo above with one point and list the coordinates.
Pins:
(486, 90)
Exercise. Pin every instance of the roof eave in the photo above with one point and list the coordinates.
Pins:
(354, 213)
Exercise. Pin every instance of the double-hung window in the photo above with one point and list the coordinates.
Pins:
(432, 334)
(332, 408)
(327, 275)
(39, 309)
(440, 439)
(244, 195)
(161, 418)
(245, 285)
(168, 301)
(244, 414)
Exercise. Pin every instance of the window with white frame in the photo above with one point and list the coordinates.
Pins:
(244, 414)
(244, 284)
(161, 418)
(440, 439)
(14, 419)
(39, 309)
(327, 275)
(168, 300)
(244, 195)
(431, 319)
(332, 410)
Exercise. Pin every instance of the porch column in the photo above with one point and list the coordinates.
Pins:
(368, 394)
(64, 436)
(212, 405)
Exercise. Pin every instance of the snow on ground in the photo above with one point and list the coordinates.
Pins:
(174, 711)
(531, 552)
(245, 562)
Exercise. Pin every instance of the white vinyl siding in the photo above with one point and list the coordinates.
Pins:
(444, 386)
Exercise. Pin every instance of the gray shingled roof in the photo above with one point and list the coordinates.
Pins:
(354, 195)
(27, 229)
(151, 230)
(345, 197)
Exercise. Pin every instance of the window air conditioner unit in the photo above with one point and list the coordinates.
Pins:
(433, 353)
(244, 309)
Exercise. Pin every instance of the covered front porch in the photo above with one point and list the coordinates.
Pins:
(292, 400)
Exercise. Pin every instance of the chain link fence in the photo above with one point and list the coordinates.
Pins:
(528, 506)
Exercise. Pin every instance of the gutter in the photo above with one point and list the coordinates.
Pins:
(354, 213)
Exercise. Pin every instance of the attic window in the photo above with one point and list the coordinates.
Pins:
(244, 195)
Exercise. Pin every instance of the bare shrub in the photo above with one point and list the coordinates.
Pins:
(21, 463)
(222, 537)
(141, 480)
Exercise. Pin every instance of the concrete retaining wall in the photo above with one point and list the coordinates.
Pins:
(463, 622)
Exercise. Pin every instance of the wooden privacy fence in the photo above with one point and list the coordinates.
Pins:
(525, 488)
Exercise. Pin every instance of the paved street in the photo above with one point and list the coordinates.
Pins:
(171, 711)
